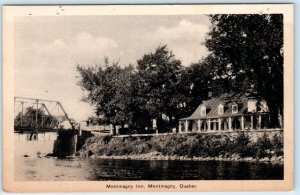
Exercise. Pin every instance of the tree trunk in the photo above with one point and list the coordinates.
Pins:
(159, 123)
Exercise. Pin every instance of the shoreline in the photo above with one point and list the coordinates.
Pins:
(157, 156)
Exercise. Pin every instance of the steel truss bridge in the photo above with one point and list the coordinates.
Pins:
(39, 115)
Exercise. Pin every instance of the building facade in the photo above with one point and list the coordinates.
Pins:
(221, 115)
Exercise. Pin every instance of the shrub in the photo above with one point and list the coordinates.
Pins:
(228, 146)
(261, 146)
(277, 142)
(106, 139)
(243, 145)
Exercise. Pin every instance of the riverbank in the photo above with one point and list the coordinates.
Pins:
(200, 147)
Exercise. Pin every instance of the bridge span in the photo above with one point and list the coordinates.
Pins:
(39, 115)
(34, 116)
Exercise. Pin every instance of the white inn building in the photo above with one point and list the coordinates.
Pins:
(221, 114)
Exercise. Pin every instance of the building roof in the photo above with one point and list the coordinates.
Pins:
(213, 104)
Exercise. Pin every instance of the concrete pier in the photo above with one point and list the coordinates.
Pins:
(65, 144)
(68, 142)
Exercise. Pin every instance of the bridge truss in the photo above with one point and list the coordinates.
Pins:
(37, 115)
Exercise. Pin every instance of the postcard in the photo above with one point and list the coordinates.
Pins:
(148, 98)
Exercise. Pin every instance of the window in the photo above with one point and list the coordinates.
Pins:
(203, 111)
(220, 109)
(234, 108)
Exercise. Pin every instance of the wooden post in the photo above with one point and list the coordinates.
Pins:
(80, 130)
(117, 130)
(208, 125)
(186, 125)
(251, 122)
(242, 123)
(219, 124)
(199, 125)
(229, 125)
(75, 144)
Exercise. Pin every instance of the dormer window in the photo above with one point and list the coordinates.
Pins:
(234, 108)
(220, 109)
(203, 111)
(251, 105)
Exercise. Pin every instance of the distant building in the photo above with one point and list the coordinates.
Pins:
(223, 114)
(95, 127)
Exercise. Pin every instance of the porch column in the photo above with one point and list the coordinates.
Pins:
(179, 127)
(186, 126)
(199, 125)
(229, 125)
(251, 122)
(117, 130)
(242, 123)
(219, 124)
(259, 121)
(208, 125)
(111, 129)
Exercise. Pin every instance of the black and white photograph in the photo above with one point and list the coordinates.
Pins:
(117, 96)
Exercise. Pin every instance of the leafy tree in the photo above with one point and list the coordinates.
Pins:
(107, 87)
(140, 115)
(158, 75)
(197, 80)
(249, 49)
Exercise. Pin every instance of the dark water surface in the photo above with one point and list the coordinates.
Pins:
(113, 169)
(33, 168)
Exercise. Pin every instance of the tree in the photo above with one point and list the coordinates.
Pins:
(107, 87)
(249, 49)
(158, 75)
(198, 80)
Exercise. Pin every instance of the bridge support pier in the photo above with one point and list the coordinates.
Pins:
(65, 144)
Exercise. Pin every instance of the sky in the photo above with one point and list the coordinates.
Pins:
(48, 49)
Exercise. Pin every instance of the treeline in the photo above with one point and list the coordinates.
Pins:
(246, 57)
(158, 88)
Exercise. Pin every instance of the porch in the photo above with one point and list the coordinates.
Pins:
(244, 122)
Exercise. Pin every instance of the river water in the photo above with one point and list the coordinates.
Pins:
(53, 169)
